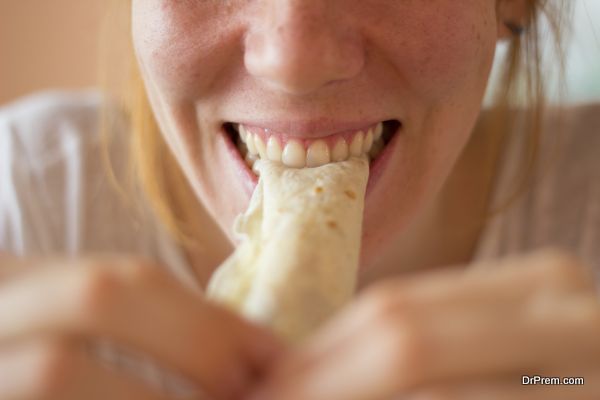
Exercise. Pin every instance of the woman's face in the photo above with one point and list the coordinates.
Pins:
(302, 70)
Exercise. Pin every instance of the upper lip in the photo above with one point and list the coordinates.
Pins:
(312, 128)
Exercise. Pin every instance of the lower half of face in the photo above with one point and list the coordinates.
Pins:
(403, 83)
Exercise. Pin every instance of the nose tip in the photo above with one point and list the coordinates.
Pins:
(300, 55)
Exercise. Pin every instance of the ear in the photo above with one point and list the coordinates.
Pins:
(511, 12)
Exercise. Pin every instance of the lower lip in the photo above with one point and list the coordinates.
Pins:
(376, 168)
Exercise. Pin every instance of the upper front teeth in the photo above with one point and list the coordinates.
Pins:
(356, 147)
(340, 151)
(260, 147)
(274, 150)
(293, 154)
(319, 152)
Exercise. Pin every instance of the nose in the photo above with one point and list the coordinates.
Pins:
(299, 46)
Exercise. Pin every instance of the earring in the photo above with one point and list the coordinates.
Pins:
(514, 28)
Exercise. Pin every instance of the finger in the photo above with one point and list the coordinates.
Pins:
(391, 357)
(505, 286)
(502, 282)
(141, 307)
(430, 343)
(525, 276)
(49, 370)
(552, 388)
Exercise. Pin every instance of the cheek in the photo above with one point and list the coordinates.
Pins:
(180, 46)
(443, 51)
(441, 48)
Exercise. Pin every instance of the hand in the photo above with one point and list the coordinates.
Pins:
(50, 309)
(451, 334)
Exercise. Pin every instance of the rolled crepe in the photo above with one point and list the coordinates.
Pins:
(297, 261)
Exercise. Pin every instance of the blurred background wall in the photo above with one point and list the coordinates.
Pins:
(53, 44)
(583, 61)
(47, 44)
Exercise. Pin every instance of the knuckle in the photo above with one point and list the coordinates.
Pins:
(411, 355)
(398, 335)
(379, 302)
(405, 348)
(106, 282)
(54, 369)
(140, 272)
(560, 269)
(97, 288)
(555, 259)
(588, 314)
(560, 273)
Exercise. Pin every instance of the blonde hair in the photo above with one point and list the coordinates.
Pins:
(155, 175)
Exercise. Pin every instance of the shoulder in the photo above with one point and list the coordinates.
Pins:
(50, 105)
(583, 116)
(574, 131)
(35, 128)
(569, 163)
(561, 207)
(51, 172)
(56, 196)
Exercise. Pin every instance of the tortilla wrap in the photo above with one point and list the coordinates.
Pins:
(298, 257)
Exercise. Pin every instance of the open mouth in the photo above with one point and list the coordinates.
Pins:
(255, 143)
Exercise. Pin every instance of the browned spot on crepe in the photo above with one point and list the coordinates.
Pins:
(318, 189)
(350, 194)
(332, 224)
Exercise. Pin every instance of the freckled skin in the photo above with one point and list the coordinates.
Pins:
(425, 63)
